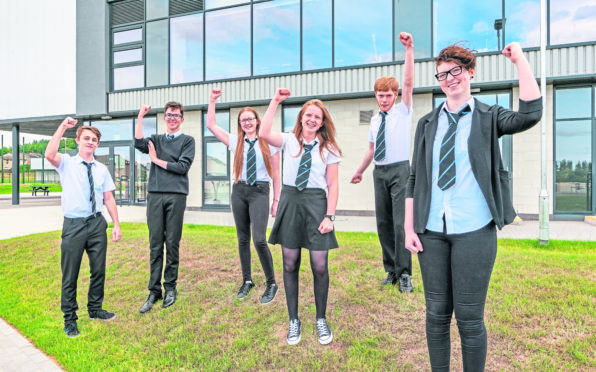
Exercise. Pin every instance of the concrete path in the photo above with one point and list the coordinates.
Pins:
(42, 214)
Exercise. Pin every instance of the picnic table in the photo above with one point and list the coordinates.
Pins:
(42, 188)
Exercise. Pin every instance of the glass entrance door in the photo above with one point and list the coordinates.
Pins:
(117, 157)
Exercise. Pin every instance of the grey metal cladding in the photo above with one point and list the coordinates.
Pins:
(127, 12)
(185, 6)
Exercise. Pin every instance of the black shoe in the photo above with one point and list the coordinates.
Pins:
(390, 279)
(269, 294)
(71, 329)
(405, 283)
(170, 298)
(323, 332)
(101, 314)
(244, 289)
(151, 300)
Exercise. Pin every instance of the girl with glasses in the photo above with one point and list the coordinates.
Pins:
(457, 194)
(255, 165)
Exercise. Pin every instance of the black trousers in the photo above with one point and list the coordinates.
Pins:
(250, 207)
(165, 216)
(390, 190)
(83, 235)
(456, 272)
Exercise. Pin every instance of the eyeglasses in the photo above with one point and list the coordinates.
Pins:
(246, 121)
(457, 70)
(173, 116)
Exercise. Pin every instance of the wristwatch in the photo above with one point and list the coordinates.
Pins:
(330, 216)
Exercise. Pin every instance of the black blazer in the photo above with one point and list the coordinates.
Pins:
(488, 124)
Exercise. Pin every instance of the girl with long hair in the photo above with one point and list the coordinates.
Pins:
(306, 213)
(255, 165)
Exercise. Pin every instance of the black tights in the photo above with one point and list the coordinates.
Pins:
(320, 271)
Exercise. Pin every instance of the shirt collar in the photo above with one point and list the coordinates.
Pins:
(471, 102)
(179, 132)
(79, 159)
(388, 112)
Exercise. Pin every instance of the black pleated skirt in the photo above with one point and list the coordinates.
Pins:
(299, 215)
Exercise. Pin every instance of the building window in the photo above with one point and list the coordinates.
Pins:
(474, 25)
(227, 48)
(289, 116)
(522, 22)
(157, 53)
(413, 17)
(216, 165)
(316, 34)
(186, 49)
(276, 37)
(574, 136)
(572, 21)
(363, 33)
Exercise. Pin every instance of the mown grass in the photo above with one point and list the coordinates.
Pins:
(6, 188)
(540, 310)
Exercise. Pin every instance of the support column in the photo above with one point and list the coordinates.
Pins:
(15, 164)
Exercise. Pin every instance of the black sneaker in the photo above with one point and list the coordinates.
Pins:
(71, 329)
(323, 331)
(390, 279)
(101, 315)
(294, 332)
(269, 294)
(405, 283)
(244, 289)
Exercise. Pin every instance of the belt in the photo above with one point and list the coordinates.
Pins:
(396, 164)
(90, 217)
(263, 183)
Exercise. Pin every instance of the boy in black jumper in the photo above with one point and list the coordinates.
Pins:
(171, 157)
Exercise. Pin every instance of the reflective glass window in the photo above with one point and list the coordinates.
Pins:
(129, 36)
(210, 4)
(221, 118)
(186, 49)
(523, 22)
(316, 34)
(363, 32)
(131, 55)
(114, 130)
(573, 103)
(216, 192)
(573, 165)
(413, 16)
(129, 77)
(156, 9)
(217, 159)
(276, 37)
(572, 21)
(227, 43)
(157, 53)
(289, 116)
(143, 162)
(470, 22)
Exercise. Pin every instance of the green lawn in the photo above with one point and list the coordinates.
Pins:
(6, 188)
(540, 311)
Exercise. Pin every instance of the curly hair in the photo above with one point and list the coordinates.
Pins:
(459, 55)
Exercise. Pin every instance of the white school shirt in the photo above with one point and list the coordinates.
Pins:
(318, 168)
(463, 204)
(76, 193)
(398, 128)
(262, 174)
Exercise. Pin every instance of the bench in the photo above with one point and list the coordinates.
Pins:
(45, 189)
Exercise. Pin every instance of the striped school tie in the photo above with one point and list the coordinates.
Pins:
(304, 169)
(251, 162)
(91, 185)
(380, 143)
(170, 137)
(447, 154)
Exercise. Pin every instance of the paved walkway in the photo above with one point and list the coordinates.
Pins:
(42, 214)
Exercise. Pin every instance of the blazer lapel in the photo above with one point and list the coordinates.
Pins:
(480, 146)
(430, 130)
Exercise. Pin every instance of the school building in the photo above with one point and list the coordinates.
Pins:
(100, 60)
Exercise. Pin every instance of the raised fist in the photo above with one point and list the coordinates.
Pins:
(281, 94)
(406, 39)
(144, 110)
(215, 94)
(69, 122)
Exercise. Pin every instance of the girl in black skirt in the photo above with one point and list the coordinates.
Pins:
(305, 214)
(255, 164)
